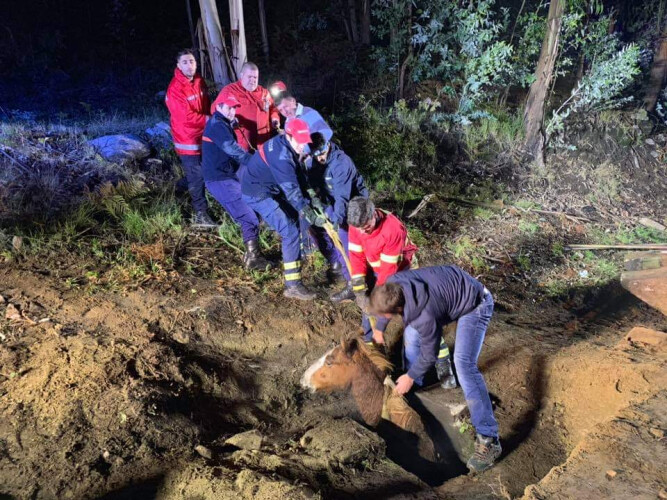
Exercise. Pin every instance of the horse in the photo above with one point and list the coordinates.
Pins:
(354, 366)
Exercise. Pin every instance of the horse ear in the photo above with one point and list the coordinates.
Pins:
(350, 345)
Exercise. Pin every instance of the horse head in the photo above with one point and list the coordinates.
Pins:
(335, 370)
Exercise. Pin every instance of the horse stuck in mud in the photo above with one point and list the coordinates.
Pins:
(355, 367)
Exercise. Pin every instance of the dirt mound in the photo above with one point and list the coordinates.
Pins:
(622, 458)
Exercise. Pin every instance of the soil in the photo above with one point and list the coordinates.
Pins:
(133, 391)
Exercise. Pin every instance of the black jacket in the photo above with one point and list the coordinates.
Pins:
(221, 154)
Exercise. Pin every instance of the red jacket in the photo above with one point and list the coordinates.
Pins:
(387, 250)
(254, 115)
(188, 105)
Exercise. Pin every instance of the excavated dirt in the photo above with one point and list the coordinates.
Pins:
(134, 394)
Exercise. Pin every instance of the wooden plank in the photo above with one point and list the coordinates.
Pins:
(649, 285)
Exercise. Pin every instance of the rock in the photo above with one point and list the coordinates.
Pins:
(657, 433)
(12, 313)
(204, 451)
(121, 148)
(650, 142)
(642, 335)
(249, 440)
(159, 135)
(611, 474)
(655, 154)
(17, 243)
(2, 299)
(343, 441)
(645, 221)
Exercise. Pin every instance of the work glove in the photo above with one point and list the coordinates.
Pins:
(311, 216)
(361, 299)
(314, 200)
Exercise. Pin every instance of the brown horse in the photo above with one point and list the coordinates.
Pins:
(354, 366)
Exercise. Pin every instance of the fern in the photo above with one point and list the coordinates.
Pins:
(115, 199)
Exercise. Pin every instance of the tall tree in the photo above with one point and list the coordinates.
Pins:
(262, 29)
(239, 51)
(354, 31)
(215, 42)
(658, 68)
(534, 112)
(366, 22)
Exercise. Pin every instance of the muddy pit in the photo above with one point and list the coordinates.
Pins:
(136, 394)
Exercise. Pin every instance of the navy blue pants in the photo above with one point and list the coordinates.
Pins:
(228, 194)
(192, 167)
(283, 219)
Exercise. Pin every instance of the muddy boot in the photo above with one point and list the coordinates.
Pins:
(443, 367)
(201, 220)
(299, 292)
(487, 450)
(345, 294)
(252, 259)
(335, 273)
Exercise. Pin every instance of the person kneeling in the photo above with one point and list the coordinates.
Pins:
(427, 299)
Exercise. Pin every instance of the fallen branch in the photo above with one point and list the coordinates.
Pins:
(646, 246)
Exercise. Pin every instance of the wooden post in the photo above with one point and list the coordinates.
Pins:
(239, 51)
(214, 42)
(534, 112)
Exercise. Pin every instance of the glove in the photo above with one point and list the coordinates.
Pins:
(311, 216)
(361, 300)
(314, 200)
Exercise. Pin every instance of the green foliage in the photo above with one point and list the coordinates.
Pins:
(600, 89)
(487, 137)
(146, 223)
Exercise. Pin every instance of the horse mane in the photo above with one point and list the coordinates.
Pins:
(376, 357)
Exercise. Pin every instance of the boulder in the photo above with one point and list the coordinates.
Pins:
(121, 148)
(160, 135)
(249, 440)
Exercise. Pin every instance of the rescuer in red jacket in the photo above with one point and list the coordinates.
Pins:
(188, 103)
(257, 115)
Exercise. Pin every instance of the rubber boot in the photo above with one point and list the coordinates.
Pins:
(487, 450)
(443, 367)
(252, 259)
(201, 220)
(298, 291)
(335, 273)
(344, 294)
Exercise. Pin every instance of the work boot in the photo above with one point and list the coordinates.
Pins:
(443, 367)
(335, 273)
(299, 292)
(344, 294)
(487, 449)
(201, 220)
(252, 259)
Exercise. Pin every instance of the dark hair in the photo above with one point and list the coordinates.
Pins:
(360, 211)
(282, 96)
(387, 299)
(317, 143)
(185, 52)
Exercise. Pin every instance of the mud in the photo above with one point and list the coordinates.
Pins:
(115, 393)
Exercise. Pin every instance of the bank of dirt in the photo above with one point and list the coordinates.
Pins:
(133, 395)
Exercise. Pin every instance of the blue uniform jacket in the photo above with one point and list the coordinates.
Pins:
(221, 154)
(337, 181)
(434, 297)
(279, 173)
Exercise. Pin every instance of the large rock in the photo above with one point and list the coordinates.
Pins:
(121, 148)
(160, 135)
(249, 440)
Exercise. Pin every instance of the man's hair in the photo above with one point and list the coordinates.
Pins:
(282, 96)
(387, 299)
(185, 52)
(248, 65)
(317, 142)
(360, 211)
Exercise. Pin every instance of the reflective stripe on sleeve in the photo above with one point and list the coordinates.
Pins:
(187, 147)
(391, 259)
(192, 97)
(353, 247)
(377, 263)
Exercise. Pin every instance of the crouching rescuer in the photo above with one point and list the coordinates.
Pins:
(379, 243)
(428, 299)
(221, 158)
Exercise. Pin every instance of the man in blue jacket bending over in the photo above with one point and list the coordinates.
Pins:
(334, 176)
(272, 185)
(221, 158)
(428, 299)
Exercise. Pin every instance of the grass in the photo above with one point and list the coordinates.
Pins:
(487, 137)
(469, 253)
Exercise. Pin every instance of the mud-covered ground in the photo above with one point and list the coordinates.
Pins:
(184, 382)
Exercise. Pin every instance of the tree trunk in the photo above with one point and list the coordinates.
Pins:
(352, 7)
(214, 42)
(263, 31)
(239, 51)
(366, 22)
(408, 57)
(534, 112)
(191, 25)
(658, 73)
